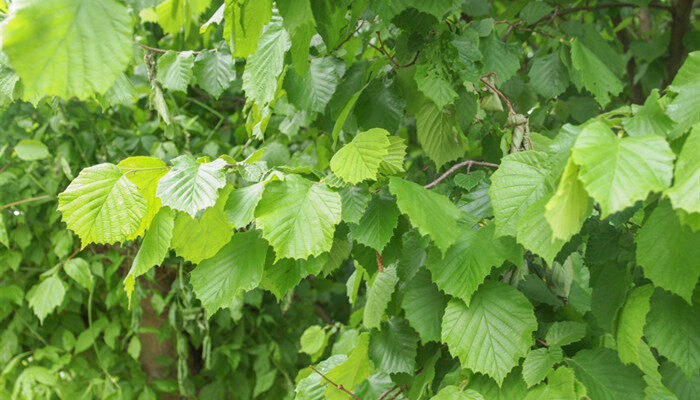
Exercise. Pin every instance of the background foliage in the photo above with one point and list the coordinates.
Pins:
(366, 199)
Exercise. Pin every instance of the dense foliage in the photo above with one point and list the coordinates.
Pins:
(372, 199)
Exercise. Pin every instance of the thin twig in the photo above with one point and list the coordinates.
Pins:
(383, 50)
(560, 13)
(397, 393)
(542, 342)
(339, 387)
(387, 392)
(456, 167)
(361, 22)
(490, 86)
(157, 50)
(380, 262)
(46, 196)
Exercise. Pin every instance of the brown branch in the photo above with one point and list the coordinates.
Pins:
(383, 50)
(380, 262)
(323, 314)
(157, 50)
(339, 387)
(517, 26)
(46, 196)
(560, 13)
(490, 86)
(387, 392)
(542, 342)
(398, 393)
(680, 24)
(456, 167)
(362, 22)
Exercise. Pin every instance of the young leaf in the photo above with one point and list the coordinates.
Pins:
(569, 206)
(684, 192)
(265, 65)
(351, 372)
(630, 325)
(175, 70)
(241, 204)
(378, 297)
(243, 21)
(213, 72)
(191, 186)
(359, 160)
(79, 270)
(31, 150)
(46, 296)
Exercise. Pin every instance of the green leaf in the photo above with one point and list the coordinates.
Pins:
(313, 386)
(298, 217)
(393, 348)
(560, 385)
(431, 213)
(243, 22)
(650, 119)
(673, 328)
(492, 333)
(191, 186)
(618, 172)
(392, 163)
(610, 284)
(145, 172)
(359, 160)
(355, 200)
(298, 20)
(196, 239)
(378, 297)
(685, 107)
(173, 15)
(175, 70)
(241, 204)
(424, 305)
(684, 192)
(533, 11)
(539, 363)
(630, 325)
(668, 252)
(31, 150)
(153, 249)
(377, 225)
(379, 106)
(434, 81)
(605, 377)
(79, 270)
(438, 134)
(594, 73)
(4, 239)
(266, 64)
(352, 371)
(213, 72)
(465, 265)
(519, 182)
(565, 332)
(51, 46)
(238, 266)
(314, 90)
(102, 205)
(569, 206)
(452, 392)
(286, 273)
(499, 57)
(44, 297)
(312, 340)
(548, 75)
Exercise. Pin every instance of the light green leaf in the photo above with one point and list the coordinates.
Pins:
(618, 172)
(685, 193)
(243, 22)
(393, 348)
(376, 227)
(465, 265)
(298, 20)
(237, 266)
(314, 90)
(266, 64)
(452, 392)
(359, 160)
(669, 252)
(548, 75)
(594, 73)
(175, 70)
(355, 200)
(102, 205)
(424, 305)
(520, 181)
(4, 239)
(213, 72)
(79, 270)
(153, 249)
(51, 44)
(673, 328)
(196, 239)
(241, 204)
(565, 332)
(539, 363)
(560, 385)
(432, 213)
(173, 15)
(535, 233)
(31, 150)
(492, 333)
(605, 377)
(685, 107)
(392, 163)
(352, 371)
(438, 134)
(313, 386)
(569, 206)
(630, 324)
(312, 340)
(378, 297)
(298, 217)
(650, 119)
(191, 186)
(44, 297)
